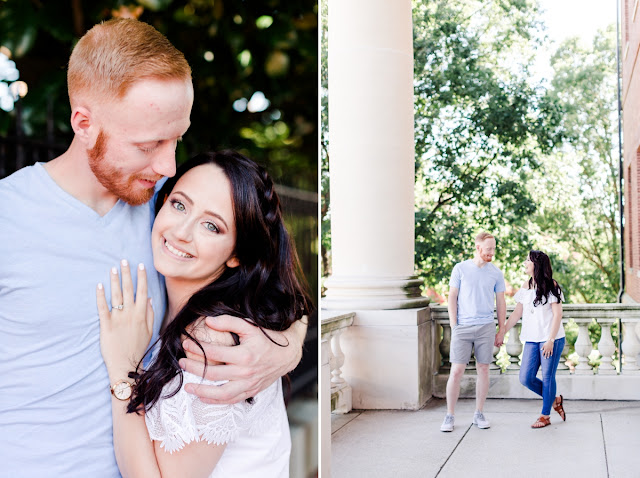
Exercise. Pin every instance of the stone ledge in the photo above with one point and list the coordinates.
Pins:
(572, 387)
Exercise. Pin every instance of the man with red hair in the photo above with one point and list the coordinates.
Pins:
(475, 286)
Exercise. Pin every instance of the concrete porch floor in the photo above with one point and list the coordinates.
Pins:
(599, 439)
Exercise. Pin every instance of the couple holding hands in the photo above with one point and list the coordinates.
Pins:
(473, 286)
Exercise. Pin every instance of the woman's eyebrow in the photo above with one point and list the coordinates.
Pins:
(211, 213)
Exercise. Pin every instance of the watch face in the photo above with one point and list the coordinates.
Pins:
(122, 390)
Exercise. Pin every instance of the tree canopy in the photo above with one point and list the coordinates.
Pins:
(501, 148)
(254, 68)
(480, 129)
(498, 149)
(577, 189)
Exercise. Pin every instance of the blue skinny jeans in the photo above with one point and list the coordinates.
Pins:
(532, 359)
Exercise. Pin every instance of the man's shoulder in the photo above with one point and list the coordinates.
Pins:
(463, 264)
(22, 188)
(19, 178)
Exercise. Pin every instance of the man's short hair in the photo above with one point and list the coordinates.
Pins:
(114, 55)
(482, 236)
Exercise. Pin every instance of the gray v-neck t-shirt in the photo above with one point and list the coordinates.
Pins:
(55, 402)
(477, 288)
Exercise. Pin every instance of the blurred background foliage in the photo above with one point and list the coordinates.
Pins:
(254, 69)
(325, 217)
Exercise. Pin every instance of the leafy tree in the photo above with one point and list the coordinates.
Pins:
(480, 129)
(324, 146)
(236, 50)
(577, 188)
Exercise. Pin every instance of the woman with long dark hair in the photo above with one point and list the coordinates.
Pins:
(219, 240)
(539, 303)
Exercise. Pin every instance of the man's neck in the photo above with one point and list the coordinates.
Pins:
(72, 173)
(478, 261)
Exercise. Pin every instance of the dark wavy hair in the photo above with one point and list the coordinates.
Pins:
(543, 278)
(267, 286)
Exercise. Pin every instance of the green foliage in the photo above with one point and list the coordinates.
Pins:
(234, 48)
(324, 146)
(571, 335)
(577, 189)
(533, 163)
(480, 129)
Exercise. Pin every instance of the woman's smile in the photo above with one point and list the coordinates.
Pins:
(174, 251)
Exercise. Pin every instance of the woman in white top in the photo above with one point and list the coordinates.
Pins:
(220, 241)
(539, 303)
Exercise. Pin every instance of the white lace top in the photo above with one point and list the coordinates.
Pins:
(257, 434)
(536, 320)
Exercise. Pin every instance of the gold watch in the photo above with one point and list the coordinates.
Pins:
(122, 390)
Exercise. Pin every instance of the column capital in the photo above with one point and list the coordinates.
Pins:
(373, 293)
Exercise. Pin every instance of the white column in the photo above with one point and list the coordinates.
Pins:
(371, 160)
(371, 154)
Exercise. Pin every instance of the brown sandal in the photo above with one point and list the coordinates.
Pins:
(541, 422)
(557, 406)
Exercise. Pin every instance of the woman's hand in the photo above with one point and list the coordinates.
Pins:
(126, 330)
(547, 348)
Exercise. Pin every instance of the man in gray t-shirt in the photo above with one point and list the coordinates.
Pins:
(475, 286)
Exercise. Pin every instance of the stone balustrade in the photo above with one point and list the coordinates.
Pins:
(332, 329)
(586, 380)
(583, 382)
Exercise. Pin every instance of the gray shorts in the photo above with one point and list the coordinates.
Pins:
(480, 337)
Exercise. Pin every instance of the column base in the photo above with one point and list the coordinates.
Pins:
(384, 293)
(341, 400)
(388, 358)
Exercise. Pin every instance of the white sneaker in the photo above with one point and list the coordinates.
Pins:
(447, 424)
(480, 420)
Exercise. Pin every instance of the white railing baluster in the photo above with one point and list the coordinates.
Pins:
(583, 347)
(332, 329)
(445, 349)
(337, 361)
(606, 347)
(581, 382)
(630, 348)
(514, 349)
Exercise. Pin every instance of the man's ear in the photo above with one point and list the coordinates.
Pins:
(82, 125)
(233, 262)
